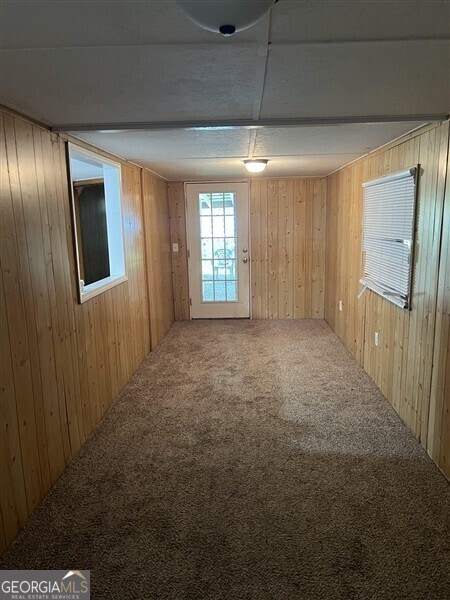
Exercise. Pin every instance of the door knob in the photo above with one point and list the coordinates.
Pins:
(245, 259)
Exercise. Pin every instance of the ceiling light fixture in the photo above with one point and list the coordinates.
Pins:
(255, 165)
(225, 16)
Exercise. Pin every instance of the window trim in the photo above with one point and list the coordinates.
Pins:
(92, 290)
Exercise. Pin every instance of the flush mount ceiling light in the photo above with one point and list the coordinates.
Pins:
(255, 165)
(225, 16)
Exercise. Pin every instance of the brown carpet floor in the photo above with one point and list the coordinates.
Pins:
(248, 460)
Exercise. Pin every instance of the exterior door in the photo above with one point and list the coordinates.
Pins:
(218, 252)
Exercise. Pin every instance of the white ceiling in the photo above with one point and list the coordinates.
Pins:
(101, 65)
(205, 154)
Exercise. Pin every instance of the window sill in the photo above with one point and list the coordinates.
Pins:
(94, 289)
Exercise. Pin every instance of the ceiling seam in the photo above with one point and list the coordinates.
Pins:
(252, 143)
(243, 123)
(164, 157)
(238, 45)
(261, 68)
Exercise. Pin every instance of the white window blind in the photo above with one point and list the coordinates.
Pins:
(388, 235)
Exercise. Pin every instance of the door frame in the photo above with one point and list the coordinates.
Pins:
(188, 244)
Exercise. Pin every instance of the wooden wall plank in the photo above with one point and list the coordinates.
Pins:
(272, 247)
(255, 250)
(48, 162)
(62, 242)
(13, 494)
(318, 247)
(165, 257)
(136, 262)
(300, 273)
(158, 236)
(3, 542)
(438, 433)
(180, 278)
(69, 272)
(285, 248)
(263, 290)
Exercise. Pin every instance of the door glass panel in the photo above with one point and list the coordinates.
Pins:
(208, 291)
(218, 246)
(205, 204)
(230, 245)
(218, 226)
(205, 227)
(230, 226)
(219, 291)
(231, 291)
(219, 270)
(207, 270)
(230, 270)
(217, 204)
(229, 204)
(207, 248)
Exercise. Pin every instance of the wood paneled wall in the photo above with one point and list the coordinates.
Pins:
(157, 231)
(403, 367)
(62, 363)
(438, 441)
(287, 231)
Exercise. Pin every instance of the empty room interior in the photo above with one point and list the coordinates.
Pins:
(225, 299)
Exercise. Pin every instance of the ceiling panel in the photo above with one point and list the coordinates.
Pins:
(330, 139)
(212, 169)
(298, 166)
(191, 170)
(130, 84)
(50, 24)
(172, 144)
(130, 61)
(392, 78)
(71, 23)
(322, 20)
(292, 151)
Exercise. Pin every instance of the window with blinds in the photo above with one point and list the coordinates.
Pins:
(388, 236)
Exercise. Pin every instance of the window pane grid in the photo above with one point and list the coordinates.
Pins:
(218, 242)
